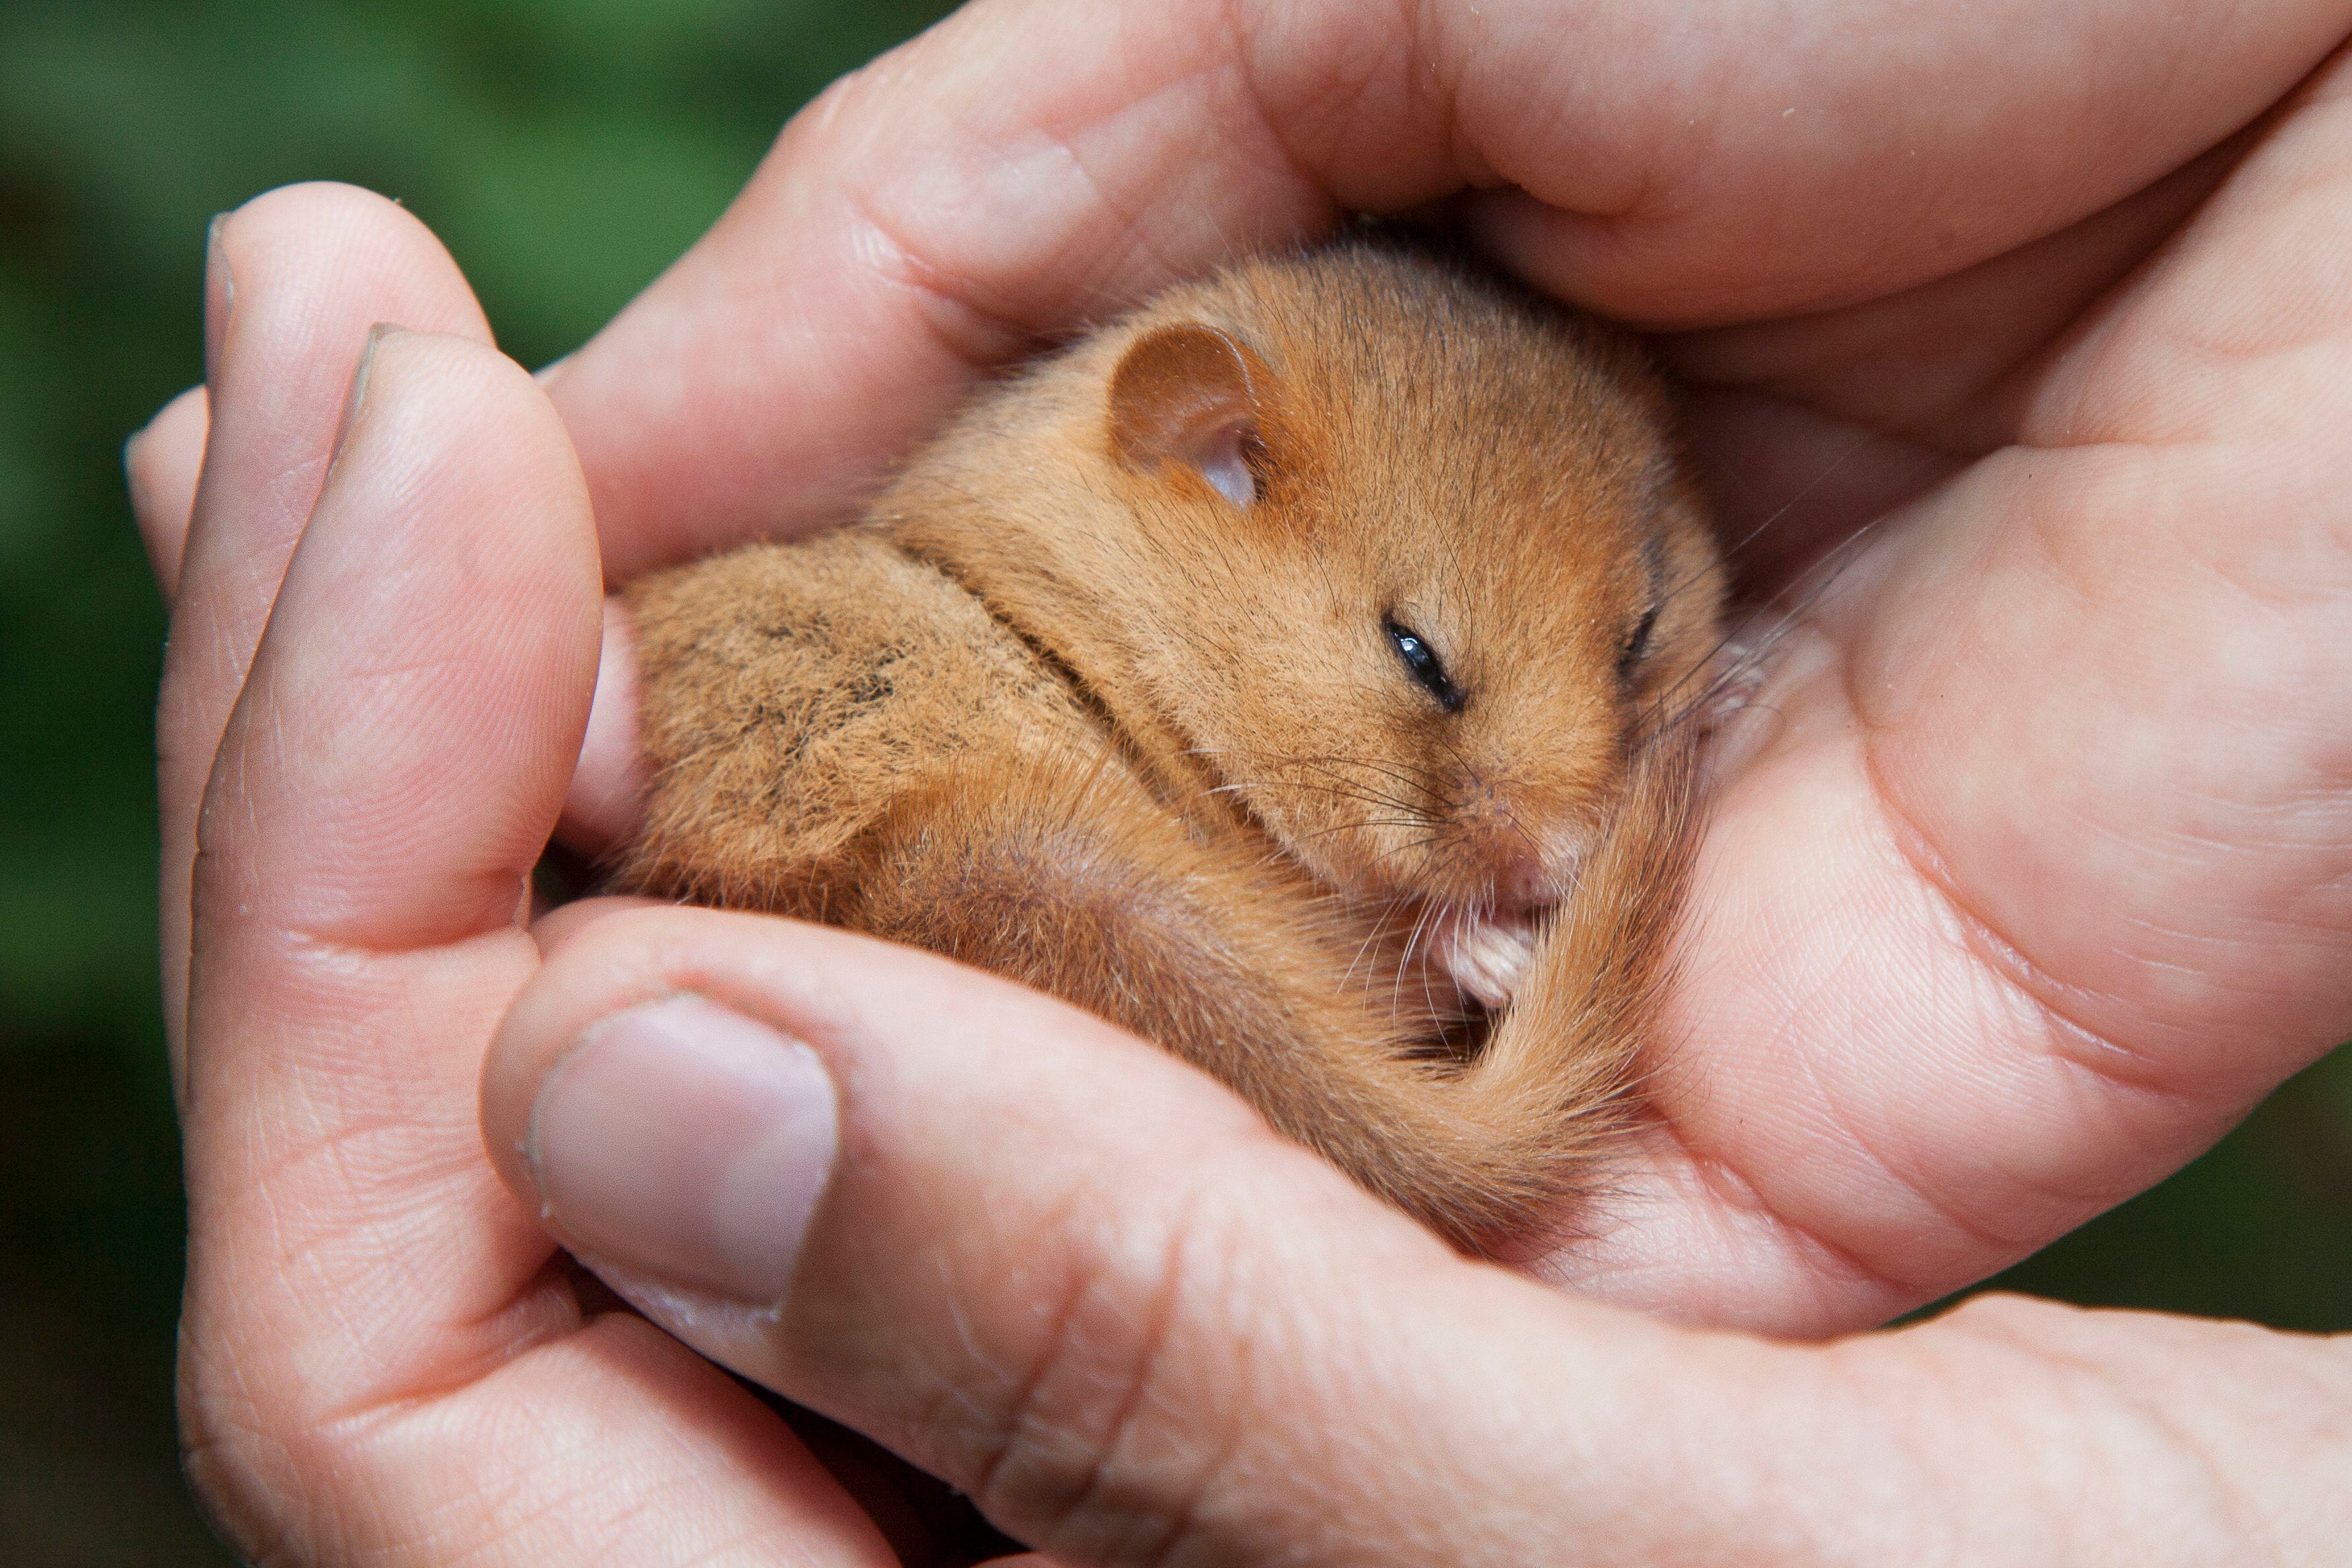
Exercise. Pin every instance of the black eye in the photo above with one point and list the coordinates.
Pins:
(1637, 646)
(1421, 660)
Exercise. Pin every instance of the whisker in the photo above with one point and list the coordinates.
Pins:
(1368, 798)
(1351, 827)
(1330, 764)
(1732, 551)
(1830, 569)
(1378, 928)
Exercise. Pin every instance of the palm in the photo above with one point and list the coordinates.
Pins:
(2033, 891)
(2028, 901)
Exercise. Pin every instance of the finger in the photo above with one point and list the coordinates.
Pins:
(372, 1324)
(608, 786)
(956, 203)
(1838, 169)
(162, 463)
(1078, 1281)
(1027, 1221)
(294, 281)
(2049, 877)
(510, 575)
(1918, 363)
(1807, 428)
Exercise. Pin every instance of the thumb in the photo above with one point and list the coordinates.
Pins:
(1052, 1265)
(1089, 1289)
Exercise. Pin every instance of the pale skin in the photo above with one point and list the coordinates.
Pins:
(2041, 877)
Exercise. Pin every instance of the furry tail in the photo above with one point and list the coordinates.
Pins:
(1555, 1083)
(1077, 882)
(1500, 1148)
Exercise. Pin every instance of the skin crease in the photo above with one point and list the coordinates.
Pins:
(841, 732)
(1878, 1104)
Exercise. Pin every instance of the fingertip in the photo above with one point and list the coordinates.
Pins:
(314, 265)
(424, 680)
(608, 786)
(379, 230)
(1573, 255)
(685, 1142)
(441, 394)
(162, 463)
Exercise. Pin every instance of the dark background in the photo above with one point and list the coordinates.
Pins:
(566, 150)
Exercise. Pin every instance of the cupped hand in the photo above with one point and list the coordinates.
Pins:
(2037, 873)
(2037, 882)
(385, 640)
(1094, 1293)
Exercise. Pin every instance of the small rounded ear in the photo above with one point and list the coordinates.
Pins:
(1190, 395)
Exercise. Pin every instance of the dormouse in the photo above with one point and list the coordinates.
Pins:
(1296, 671)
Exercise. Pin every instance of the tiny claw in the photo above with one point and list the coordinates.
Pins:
(1743, 666)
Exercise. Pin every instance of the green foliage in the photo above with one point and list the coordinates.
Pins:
(566, 150)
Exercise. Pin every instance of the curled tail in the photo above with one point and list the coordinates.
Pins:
(1497, 1147)
(1075, 881)
(1554, 1085)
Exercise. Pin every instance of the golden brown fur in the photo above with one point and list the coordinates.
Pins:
(1113, 692)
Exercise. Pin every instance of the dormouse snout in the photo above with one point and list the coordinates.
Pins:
(1521, 868)
(1517, 845)
(1540, 877)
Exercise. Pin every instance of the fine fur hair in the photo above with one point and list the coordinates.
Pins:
(1294, 672)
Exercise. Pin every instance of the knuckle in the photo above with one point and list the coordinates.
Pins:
(1123, 1418)
(243, 1475)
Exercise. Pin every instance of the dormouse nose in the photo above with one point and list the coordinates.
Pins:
(1517, 845)
(1523, 881)
(1510, 865)
(1525, 869)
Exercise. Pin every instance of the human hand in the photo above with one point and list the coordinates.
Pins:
(2045, 877)
(376, 1379)
(380, 674)
(1093, 1292)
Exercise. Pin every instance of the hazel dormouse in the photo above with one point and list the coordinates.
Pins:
(1296, 672)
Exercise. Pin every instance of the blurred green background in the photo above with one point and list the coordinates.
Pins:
(566, 150)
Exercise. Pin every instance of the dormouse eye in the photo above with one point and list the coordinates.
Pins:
(1637, 646)
(1422, 661)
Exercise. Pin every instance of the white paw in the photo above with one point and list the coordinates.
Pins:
(1487, 957)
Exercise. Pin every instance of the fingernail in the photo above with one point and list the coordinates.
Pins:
(220, 296)
(684, 1140)
(144, 507)
(131, 450)
(358, 393)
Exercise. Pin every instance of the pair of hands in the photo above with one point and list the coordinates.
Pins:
(2038, 878)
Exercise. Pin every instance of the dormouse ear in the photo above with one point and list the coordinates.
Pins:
(1190, 395)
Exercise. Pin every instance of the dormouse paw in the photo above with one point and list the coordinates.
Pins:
(1740, 667)
(1486, 957)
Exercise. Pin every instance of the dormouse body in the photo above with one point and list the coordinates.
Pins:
(1288, 670)
(1391, 561)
